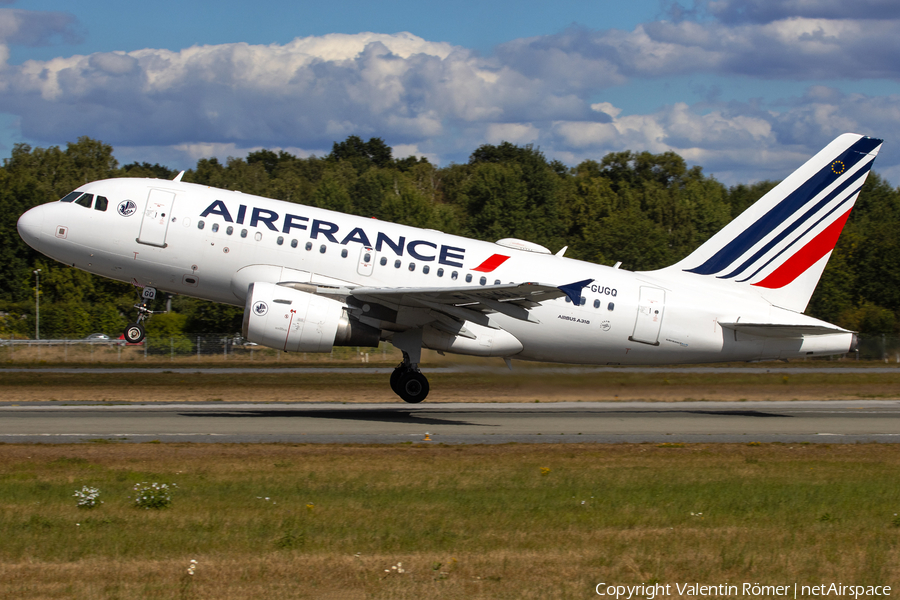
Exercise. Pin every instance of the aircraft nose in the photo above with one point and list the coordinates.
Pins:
(30, 225)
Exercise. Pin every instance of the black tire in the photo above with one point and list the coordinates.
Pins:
(412, 387)
(134, 333)
(395, 380)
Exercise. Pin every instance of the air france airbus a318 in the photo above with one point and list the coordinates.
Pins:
(310, 279)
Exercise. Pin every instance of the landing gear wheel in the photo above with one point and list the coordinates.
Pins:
(134, 333)
(395, 379)
(412, 387)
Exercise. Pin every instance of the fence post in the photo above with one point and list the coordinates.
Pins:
(171, 349)
(198, 347)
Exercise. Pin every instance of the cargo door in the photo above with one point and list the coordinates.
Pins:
(157, 214)
(649, 316)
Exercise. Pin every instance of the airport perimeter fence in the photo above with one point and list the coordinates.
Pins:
(184, 349)
(230, 348)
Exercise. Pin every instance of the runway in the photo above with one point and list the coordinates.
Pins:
(564, 422)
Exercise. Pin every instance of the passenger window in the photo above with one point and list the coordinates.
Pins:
(258, 236)
(229, 230)
(440, 272)
(583, 301)
(322, 249)
(280, 240)
(344, 253)
(294, 243)
(85, 200)
(367, 257)
(412, 266)
(454, 275)
(596, 304)
(611, 306)
(70, 197)
(383, 260)
(397, 264)
(101, 203)
(496, 282)
(483, 280)
(568, 300)
(200, 224)
(215, 227)
(308, 245)
(468, 278)
(426, 269)
(243, 233)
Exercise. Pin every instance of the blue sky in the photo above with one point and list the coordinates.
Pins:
(748, 89)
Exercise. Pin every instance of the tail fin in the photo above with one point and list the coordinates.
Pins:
(780, 245)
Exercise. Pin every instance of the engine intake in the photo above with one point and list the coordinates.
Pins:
(296, 321)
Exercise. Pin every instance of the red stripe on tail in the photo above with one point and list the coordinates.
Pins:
(806, 257)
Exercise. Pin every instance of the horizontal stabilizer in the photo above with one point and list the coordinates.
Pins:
(782, 330)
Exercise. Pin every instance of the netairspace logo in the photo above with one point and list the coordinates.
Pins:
(750, 590)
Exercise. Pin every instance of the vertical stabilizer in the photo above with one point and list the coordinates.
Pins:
(780, 245)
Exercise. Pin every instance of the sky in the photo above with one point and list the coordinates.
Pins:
(746, 89)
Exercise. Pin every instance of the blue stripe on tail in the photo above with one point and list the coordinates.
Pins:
(786, 208)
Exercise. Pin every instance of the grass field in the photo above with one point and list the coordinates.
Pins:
(524, 384)
(514, 521)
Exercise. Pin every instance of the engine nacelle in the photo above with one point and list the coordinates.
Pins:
(289, 319)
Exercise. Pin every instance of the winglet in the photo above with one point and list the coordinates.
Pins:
(573, 290)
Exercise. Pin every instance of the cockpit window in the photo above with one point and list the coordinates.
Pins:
(70, 197)
(85, 200)
(101, 203)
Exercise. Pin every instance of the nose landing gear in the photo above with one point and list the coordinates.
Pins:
(134, 333)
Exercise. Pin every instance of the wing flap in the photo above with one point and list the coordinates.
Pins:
(513, 292)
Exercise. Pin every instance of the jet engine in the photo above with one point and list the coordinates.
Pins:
(295, 321)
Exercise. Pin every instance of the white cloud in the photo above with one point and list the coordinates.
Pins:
(516, 133)
(766, 11)
(795, 48)
(37, 28)
(443, 101)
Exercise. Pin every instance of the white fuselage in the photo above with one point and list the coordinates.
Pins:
(211, 244)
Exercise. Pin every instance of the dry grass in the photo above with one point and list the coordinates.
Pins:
(521, 385)
(514, 521)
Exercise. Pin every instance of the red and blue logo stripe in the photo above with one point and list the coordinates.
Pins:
(800, 229)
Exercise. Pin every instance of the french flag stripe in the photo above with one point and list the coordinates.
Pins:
(491, 263)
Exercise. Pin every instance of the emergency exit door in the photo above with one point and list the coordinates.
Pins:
(649, 315)
(155, 221)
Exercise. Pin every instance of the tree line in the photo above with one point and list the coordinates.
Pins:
(645, 210)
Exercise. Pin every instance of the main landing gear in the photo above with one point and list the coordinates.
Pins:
(408, 382)
(134, 333)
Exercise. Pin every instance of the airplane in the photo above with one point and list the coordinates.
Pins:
(310, 279)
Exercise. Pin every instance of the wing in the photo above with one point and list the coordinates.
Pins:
(473, 303)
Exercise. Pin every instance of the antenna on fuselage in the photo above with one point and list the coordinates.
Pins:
(179, 176)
